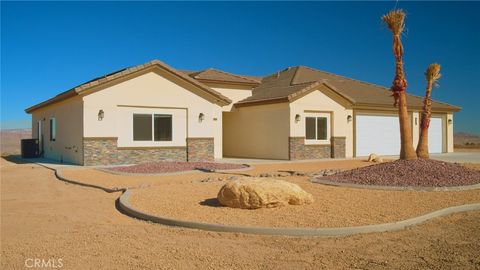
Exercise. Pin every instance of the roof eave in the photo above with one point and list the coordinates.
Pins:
(61, 97)
(417, 108)
(253, 84)
(262, 102)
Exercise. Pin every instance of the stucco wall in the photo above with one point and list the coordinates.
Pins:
(322, 101)
(449, 133)
(153, 91)
(235, 93)
(257, 131)
(68, 145)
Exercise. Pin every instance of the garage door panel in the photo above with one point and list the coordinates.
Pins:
(435, 135)
(377, 134)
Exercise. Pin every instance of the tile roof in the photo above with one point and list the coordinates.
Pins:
(124, 72)
(285, 84)
(281, 86)
(212, 74)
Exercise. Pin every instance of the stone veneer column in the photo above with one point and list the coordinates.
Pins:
(298, 150)
(338, 147)
(104, 151)
(200, 149)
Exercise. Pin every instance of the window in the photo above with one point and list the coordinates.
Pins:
(53, 129)
(142, 127)
(316, 128)
(147, 127)
(162, 127)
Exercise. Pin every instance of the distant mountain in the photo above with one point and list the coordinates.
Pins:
(466, 139)
(10, 140)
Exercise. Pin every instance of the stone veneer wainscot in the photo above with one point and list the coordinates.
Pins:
(200, 149)
(104, 151)
(298, 150)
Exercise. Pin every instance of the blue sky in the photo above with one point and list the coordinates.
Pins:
(49, 47)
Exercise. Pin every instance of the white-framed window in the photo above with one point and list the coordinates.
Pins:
(53, 129)
(317, 128)
(152, 127)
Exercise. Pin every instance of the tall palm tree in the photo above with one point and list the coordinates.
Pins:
(395, 21)
(432, 74)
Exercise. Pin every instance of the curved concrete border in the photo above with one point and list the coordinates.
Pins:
(127, 208)
(106, 170)
(62, 178)
(390, 188)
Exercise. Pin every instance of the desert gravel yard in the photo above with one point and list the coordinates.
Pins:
(333, 206)
(110, 180)
(43, 217)
(192, 197)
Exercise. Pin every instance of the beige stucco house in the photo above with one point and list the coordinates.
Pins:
(154, 112)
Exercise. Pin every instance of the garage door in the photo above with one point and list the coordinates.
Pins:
(381, 135)
(435, 135)
(377, 134)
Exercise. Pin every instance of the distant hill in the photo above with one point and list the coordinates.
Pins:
(10, 140)
(463, 139)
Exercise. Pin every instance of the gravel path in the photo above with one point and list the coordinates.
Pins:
(167, 167)
(419, 173)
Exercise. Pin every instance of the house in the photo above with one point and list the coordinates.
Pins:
(154, 112)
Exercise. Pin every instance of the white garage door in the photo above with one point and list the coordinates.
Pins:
(435, 135)
(377, 134)
(381, 135)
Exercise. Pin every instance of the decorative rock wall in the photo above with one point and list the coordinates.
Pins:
(200, 149)
(104, 151)
(298, 150)
(338, 147)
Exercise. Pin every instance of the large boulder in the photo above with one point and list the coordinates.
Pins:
(253, 193)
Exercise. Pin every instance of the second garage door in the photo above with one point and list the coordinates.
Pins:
(380, 134)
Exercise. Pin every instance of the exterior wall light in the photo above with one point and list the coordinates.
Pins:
(349, 118)
(201, 117)
(101, 115)
(416, 121)
(297, 118)
(450, 121)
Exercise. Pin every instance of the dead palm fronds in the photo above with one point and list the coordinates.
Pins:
(395, 20)
(432, 74)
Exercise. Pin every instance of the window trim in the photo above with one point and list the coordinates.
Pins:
(329, 128)
(152, 123)
(52, 130)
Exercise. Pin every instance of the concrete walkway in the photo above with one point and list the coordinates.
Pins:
(460, 157)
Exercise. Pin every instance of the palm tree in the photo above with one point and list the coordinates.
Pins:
(395, 21)
(432, 74)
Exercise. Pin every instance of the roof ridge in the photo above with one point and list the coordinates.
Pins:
(345, 77)
(234, 75)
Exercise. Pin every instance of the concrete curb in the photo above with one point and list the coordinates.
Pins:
(106, 170)
(60, 177)
(390, 188)
(108, 190)
(127, 208)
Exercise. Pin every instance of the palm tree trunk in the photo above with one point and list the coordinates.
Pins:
(399, 88)
(422, 147)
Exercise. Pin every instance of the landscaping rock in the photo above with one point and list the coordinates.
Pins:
(418, 172)
(253, 193)
(375, 158)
